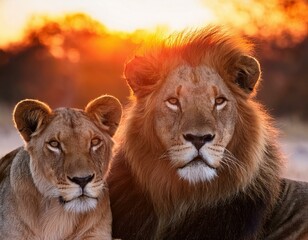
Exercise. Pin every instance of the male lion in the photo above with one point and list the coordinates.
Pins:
(198, 157)
(55, 188)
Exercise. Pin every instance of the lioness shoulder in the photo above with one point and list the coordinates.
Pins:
(55, 186)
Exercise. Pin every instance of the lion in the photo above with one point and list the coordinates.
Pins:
(55, 186)
(198, 156)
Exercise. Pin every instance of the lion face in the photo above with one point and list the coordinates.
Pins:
(69, 149)
(195, 121)
(192, 112)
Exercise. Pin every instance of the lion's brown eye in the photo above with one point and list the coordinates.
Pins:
(54, 143)
(173, 101)
(95, 142)
(220, 101)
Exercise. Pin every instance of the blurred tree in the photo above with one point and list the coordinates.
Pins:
(285, 79)
(65, 62)
(70, 60)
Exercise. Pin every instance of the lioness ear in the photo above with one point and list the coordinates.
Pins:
(141, 75)
(29, 116)
(248, 73)
(106, 111)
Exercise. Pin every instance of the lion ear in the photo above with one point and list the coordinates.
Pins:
(30, 116)
(106, 111)
(248, 74)
(141, 75)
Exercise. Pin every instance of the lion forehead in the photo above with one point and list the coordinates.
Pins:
(199, 80)
(194, 74)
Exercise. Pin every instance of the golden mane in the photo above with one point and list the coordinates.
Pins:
(141, 161)
(221, 51)
(213, 46)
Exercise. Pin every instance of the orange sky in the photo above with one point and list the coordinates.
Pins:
(120, 15)
(267, 18)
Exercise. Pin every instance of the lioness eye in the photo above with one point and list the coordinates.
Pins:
(95, 142)
(54, 144)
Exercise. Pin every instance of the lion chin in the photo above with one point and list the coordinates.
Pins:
(81, 204)
(197, 170)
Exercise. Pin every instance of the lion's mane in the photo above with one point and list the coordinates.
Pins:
(147, 196)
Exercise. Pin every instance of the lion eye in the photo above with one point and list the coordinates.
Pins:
(95, 142)
(220, 102)
(173, 103)
(54, 144)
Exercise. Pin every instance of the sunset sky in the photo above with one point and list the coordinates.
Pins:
(270, 19)
(119, 15)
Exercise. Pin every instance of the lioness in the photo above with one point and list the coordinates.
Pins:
(55, 187)
(198, 157)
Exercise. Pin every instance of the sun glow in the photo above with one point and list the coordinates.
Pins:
(284, 21)
(116, 15)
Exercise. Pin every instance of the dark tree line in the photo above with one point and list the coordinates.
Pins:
(69, 61)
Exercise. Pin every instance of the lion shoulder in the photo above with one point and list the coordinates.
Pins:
(290, 214)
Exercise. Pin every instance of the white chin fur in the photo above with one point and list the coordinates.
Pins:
(198, 172)
(80, 205)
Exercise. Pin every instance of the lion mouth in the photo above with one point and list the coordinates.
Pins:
(81, 197)
(198, 160)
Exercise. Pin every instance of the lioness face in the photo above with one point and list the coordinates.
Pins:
(69, 149)
(70, 160)
(195, 121)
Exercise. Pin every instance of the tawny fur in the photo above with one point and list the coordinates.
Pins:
(149, 199)
(39, 197)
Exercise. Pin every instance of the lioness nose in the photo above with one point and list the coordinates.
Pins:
(82, 181)
(198, 141)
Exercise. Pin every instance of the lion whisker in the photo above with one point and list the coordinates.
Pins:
(173, 151)
(237, 166)
(216, 150)
(164, 155)
(232, 162)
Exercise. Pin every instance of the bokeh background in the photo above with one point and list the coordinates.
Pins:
(68, 52)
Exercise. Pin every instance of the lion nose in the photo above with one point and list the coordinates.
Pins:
(198, 141)
(82, 181)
